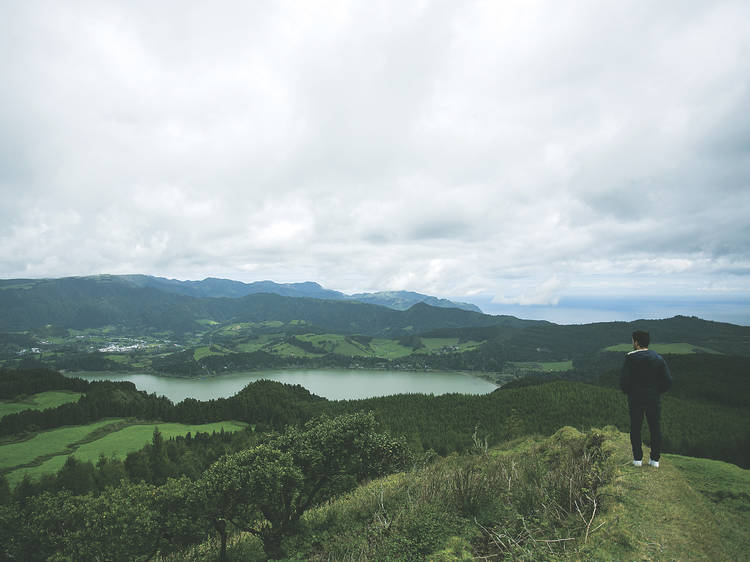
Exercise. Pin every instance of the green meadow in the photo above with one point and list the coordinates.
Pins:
(352, 347)
(336, 344)
(48, 443)
(542, 366)
(41, 401)
(47, 451)
(687, 509)
(447, 345)
(206, 350)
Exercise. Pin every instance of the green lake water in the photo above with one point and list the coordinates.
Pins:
(334, 384)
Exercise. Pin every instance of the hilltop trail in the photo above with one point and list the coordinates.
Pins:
(669, 513)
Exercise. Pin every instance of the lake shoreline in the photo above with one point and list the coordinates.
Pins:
(484, 375)
(331, 383)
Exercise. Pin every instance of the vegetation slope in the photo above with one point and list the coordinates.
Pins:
(475, 484)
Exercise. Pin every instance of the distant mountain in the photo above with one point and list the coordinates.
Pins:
(403, 300)
(136, 302)
(144, 303)
(214, 288)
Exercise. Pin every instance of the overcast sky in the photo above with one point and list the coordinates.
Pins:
(529, 156)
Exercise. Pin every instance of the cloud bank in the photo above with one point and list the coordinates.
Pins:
(519, 151)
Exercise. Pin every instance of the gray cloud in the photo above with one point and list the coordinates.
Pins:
(519, 151)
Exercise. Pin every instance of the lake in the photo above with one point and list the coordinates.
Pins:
(334, 384)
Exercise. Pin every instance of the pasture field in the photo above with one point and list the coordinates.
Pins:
(205, 351)
(389, 349)
(289, 350)
(335, 343)
(446, 345)
(543, 366)
(344, 345)
(134, 437)
(667, 348)
(248, 345)
(385, 348)
(40, 401)
(48, 443)
(53, 454)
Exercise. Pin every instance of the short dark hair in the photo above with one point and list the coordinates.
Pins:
(642, 338)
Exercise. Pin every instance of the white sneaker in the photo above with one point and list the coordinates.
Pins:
(655, 464)
(637, 463)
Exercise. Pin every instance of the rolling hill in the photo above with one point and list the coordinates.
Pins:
(91, 302)
(212, 287)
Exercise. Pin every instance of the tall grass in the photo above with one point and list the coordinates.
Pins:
(529, 504)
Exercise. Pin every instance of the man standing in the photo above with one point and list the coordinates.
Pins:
(645, 376)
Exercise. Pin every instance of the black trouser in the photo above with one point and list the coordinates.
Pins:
(652, 409)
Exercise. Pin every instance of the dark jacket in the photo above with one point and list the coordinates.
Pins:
(645, 375)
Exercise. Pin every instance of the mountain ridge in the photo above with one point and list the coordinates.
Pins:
(89, 302)
(128, 302)
(214, 287)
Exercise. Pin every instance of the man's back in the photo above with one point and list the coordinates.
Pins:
(645, 375)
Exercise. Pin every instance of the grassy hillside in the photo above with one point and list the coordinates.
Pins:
(687, 509)
(512, 503)
(568, 496)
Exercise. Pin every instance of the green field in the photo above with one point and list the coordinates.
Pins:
(389, 349)
(343, 345)
(687, 509)
(447, 345)
(673, 348)
(542, 366)
(205, 351)
(47, 443)
(727, 489)
(338, 344)
(41, 401)
(52, 448)
(381, 347)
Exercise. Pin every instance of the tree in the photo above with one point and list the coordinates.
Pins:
(120, 524)
(76, 476)
(109, 472)
(138, 467)
(161, 466)
(4, 490)
(181, 507)
(255, 490)
(24, 490)
(12, 532)
(335, 454)
(266, 489)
